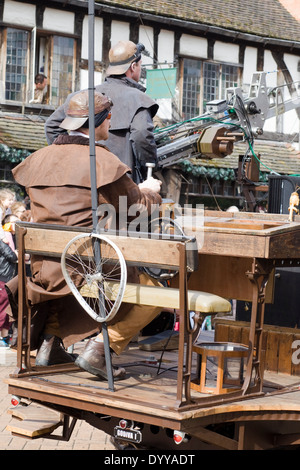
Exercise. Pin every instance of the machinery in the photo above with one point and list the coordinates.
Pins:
(213, 134)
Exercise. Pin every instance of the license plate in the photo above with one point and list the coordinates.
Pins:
(128, 434)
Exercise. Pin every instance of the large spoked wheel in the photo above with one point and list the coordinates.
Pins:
(95, 271)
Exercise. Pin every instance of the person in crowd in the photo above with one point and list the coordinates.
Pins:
(9, 228)
(7, 198)
(40, 91)
(18, 208)
(8, 265)
(131, 135)
(57, 180)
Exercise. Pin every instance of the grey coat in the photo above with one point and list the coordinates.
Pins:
(131, 133)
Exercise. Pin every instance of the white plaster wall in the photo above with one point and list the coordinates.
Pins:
(291, 121)
(16, 13)
(224, 52)
(271, 79)
(249, 66)
(165, 108)
(165, 53)
(292, 64)
(119, 32)
(146, 38)
(165, 57)
(270, 67)
(193, 46)
(59, 21)
(84, 79)
(98, 39)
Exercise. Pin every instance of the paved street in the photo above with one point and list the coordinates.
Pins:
(84, 436)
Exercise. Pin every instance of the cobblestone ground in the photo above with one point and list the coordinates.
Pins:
(84, 436)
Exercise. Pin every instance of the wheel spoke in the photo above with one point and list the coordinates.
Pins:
(88, 280)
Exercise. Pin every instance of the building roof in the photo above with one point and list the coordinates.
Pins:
(24, 132)
(267, 18)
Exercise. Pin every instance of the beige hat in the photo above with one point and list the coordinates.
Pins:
(122, 55)
(78, 109)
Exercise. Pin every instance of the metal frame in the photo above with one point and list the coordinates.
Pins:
(258, 276)
(24, 366)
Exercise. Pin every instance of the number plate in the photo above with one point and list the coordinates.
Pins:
(128, 434)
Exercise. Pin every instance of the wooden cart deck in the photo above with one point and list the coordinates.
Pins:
(149, 392)
(149, 397)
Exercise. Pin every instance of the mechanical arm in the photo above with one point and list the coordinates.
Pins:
(213, 134)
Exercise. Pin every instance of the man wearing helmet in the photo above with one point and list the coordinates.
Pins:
(57, 180)
(131, 133)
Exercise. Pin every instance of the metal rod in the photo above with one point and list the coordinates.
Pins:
(94, 192)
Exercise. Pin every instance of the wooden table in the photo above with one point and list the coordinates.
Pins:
(238, 253)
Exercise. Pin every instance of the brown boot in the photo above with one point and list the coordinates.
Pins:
(93, 360)
(52, 352)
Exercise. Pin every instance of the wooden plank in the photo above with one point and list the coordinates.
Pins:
(295, 353)
(148, 250)
(285, 352)
(33, 411)
(226, 276)
(245, 336)
(33, 421)
(222, 275)
(285, 245)
(265, 235)
(233, 244)
(276, 342)
(235, 335)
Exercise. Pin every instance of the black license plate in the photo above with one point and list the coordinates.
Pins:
(127, 434)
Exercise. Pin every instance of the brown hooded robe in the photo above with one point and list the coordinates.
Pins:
(57, 180)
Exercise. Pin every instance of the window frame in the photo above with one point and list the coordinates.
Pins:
(201, 97)
(4, 34)
(33, 65)
(61, 99)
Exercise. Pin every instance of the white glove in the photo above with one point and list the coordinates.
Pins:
(151, 183)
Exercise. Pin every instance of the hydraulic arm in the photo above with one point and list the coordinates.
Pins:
(213, 134)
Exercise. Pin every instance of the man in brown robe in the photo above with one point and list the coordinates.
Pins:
(57, 180)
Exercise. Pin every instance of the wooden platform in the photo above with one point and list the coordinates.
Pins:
(148, 396)
(149, 391)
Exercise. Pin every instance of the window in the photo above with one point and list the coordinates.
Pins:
(204, 81)
(16, 64)
(191, 88)
(62, 73)
(5, 172)
(211, 82)
(30, 52)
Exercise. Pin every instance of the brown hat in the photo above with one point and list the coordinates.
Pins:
(78, 109)
(122, 55)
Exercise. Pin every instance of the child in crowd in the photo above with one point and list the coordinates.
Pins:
(18, 208)
(7, 198)
(9, 227)
(8, 264)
